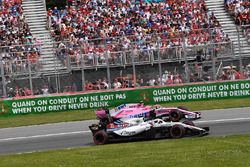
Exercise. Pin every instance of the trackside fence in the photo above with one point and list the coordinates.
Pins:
(156, 95)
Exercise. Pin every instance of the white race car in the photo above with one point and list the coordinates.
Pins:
(139, 128)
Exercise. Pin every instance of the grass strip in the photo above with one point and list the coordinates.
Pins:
(79, 115)
(233, 151)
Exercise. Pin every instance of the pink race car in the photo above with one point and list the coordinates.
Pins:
(136, 110)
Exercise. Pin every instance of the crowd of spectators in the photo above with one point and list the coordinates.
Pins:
(232, 72)
(122, 82)
(16, 42)
(18, 92)
(168, 78)
(113, 27)
(107, 26)
(96, 85)
(240, 11)
(203, 72)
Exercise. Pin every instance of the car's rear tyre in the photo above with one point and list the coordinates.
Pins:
(189, 123)
(183, 108)
(175, 115)
(100, 137)
(177, 131)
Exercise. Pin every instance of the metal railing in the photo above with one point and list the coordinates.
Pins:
(95, 63)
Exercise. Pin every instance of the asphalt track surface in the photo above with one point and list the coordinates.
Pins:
(76, 134)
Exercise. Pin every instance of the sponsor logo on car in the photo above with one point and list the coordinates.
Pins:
(138, 115)
(128, 133)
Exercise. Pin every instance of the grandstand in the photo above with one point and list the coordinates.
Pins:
(17, 43)
(100, 44)
(228, 23)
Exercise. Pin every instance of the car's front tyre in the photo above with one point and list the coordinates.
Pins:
(177, 131)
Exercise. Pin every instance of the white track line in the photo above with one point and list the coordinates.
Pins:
(45, 135)
(224, 120)
(80, 132)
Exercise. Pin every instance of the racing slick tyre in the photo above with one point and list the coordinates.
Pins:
(188, 123)
(175, 115)
(183, 108)
(100, 137)
(177, 131)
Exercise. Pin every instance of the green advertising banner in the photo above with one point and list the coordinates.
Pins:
(190, 92)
